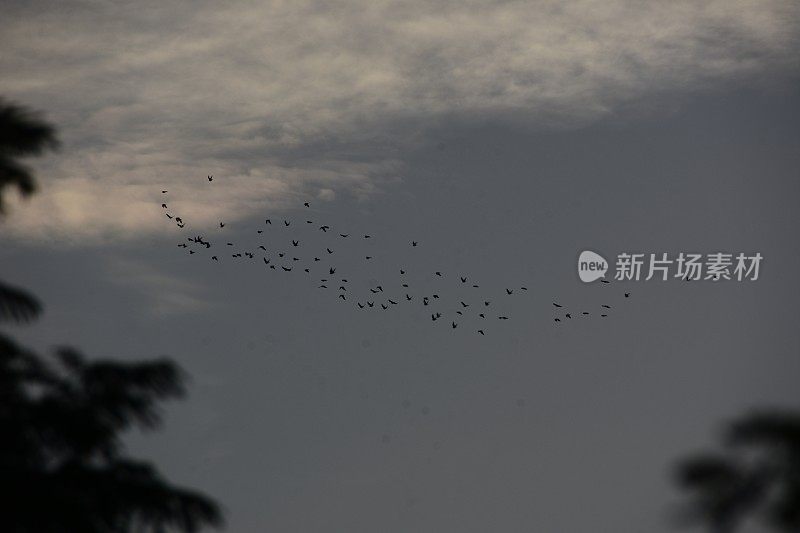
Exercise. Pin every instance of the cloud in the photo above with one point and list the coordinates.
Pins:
(165, 294)
(291, 98)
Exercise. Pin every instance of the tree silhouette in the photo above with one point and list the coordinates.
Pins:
(62, 462)
(758, 473)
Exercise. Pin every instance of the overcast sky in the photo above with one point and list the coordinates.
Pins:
(504, 137)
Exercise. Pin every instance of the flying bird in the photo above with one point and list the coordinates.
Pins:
(295, 243)
(509, 291)
(210, 178)
(481, 332)
(306, 204)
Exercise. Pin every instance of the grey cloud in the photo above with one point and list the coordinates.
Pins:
(287, 97)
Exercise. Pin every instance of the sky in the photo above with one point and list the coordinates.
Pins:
(503, 137)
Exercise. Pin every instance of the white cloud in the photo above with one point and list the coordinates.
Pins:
(296, 97)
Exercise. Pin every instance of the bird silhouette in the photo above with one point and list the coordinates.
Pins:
(164, 192)
(164, 206)
(210, 178)
(509, 291)
(627, 295)
(221, 225)
(268, 221)
(606, 306)
(455, 325)
(392, 302)
(343, 235)
(371, 304)
(214, 257)
(464, 305)
(342, 297)
(286, 222)
(439, 274)
(604, 281)
(384, 307)
(568, 315)
(287, 269)
(306, 204)
(408, 297)
(367, 236)
(329, 250)
(413, 243)
(324, 228)
(295, 243)
(169, 216)
(481, 332)
(557, 305)
(331, 271)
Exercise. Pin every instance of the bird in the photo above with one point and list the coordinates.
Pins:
(306, 269)
(324, 228)
(606, 306)
(286, 222)
(323, 287)
(164, 192)
(603, 316)
(481, 332)
(306, 204)
(433, 317)
(405, 285)
(169, 216)
(281, 254)
(459, 313)
(585, 312)
(260, 231)
(316, 259)
(380, 288)
(360, 305)
(455, 325)
(408, 297)
(436, 296)
(295, 243)
(486, 303)
(329, 250)
(413, 243)
(191, 252)
(373, 291)
(182, 245)
(424, 300)
(221, 225)
(331, 271)
(309, 221)
(164, 206)
(402, 271)
(463, 279)
(604, 281)
(343, 235)
(439, 274)
(568, 315)
(464, 305)
(557, 305)
(558, 320)
(342, 288)
(210, 178)
(524, 288)
(371, 304)
(268, 221)
(502, 318)
(367, 236)
(392, 302)
(178, 220)
(475, 286)
(627, 295)
(481, 315)
(342, 297)
(262, 247)
(509, 291)
(214, 257)
(287, 269)
(384, 307)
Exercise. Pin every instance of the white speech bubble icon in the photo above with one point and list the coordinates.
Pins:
(591, 266)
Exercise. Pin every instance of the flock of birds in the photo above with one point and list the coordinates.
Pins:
(481, 309)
